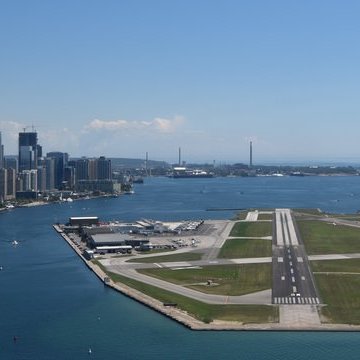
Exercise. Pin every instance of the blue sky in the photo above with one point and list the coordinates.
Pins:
(119, 78)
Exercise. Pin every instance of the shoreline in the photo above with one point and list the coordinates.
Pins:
(187, 320)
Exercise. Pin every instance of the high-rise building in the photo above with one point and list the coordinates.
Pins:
(82, 169)
(50, 173)
(28, 151)
(104, 171)
(28, 181)
(11, 184)
(11, 163)
(60, 163)
(41, 178)
(93, 174)
(3, 184)
(70, 177)
(93, 169)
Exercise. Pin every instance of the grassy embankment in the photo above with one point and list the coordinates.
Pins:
(338, 281)
(204, 312)
(339, 285)
(188, 256)
(226, 279)
(241, 215)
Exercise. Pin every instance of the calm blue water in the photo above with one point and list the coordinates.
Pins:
(58, 309)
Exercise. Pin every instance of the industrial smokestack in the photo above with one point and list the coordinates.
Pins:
(179, 156)
(251, 155)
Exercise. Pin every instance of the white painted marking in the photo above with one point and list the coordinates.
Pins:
(286, 300)
(306, 300)
(158, 265)
(313, 300)
(187, 268)
(300, 259)
(292, 279)
(283, 278)
(275, 300)
(294, 300)
(299, 302)
(303, 278)
(294, 289)
(290, 225)
(317, 301)
(280, 259)
(310, 301)
(302, 300)
(279, 234)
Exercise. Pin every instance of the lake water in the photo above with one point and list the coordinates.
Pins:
(58, 309)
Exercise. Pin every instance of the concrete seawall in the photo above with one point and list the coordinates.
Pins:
(185, 319)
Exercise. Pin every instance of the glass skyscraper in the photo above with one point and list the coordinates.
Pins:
(28, 150)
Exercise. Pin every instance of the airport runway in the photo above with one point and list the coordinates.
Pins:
(293, 283)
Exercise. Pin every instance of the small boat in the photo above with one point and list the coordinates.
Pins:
(89, 351)
(15, 243)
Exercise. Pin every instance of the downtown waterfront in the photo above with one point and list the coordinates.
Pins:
(58, 309)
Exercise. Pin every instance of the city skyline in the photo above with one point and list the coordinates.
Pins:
(123, 79)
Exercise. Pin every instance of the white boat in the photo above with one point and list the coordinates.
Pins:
(15, 243)
(130, 192)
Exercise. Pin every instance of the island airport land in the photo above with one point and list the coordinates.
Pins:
(277, 269)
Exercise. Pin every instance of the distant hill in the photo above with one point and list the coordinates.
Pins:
(124, 163)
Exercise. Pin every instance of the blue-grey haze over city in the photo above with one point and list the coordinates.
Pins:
(121, 78)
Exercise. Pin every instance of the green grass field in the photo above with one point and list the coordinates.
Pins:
(230, 279)
(188, 256)
(340, 266)
(325, 238)
(339, 285)
(265, 217)
(204, 312)
(245, 248)
(251, 229)
(341, 294)
(315, 212)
